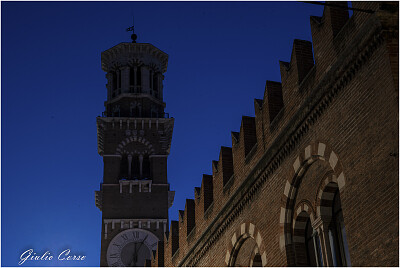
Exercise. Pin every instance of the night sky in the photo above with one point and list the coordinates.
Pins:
(220, 55)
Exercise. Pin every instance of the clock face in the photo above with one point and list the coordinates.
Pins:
(131, 248)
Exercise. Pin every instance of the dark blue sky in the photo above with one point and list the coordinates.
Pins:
(220, 55)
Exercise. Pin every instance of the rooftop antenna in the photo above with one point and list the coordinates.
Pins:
(132, 28)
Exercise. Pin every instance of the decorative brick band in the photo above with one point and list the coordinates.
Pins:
(303, 211)
(326, 194)
(246, 230)
(120, 147)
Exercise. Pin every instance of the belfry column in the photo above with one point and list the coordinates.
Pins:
(141, 165)
(135, 77)
(129, 166)
(323, 232)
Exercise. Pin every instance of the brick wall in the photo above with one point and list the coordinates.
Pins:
(329, 126)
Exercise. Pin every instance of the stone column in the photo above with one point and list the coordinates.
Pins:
(322, 227)
(135, 76)
(129, 166)
(141, 165)
(324, 234)
(315, 249)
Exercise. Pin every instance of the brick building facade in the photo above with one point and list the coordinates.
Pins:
(312, 179)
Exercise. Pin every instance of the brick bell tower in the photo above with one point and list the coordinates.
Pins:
(134, 138)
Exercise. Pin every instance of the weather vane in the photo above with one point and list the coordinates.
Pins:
(132, 28)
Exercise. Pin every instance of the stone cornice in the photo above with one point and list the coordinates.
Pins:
(318, 100)
(135, 95)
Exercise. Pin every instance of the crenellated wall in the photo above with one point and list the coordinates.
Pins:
(330, 125)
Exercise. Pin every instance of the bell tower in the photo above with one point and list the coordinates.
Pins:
(134, 138)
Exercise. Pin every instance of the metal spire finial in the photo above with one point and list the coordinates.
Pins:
(132, 28)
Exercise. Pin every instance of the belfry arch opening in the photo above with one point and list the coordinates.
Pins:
(135, 79)
(135, 167)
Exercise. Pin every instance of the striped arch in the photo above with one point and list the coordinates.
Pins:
(303, 213)
(120, 147)
(245, 231)
(326, 194)
(299, 220)
(312, 153)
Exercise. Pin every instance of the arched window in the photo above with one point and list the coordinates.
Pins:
(337, 235)
(243, 255)
(135, 167)
(135, 77)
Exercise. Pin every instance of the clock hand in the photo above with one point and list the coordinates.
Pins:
(141, 242)
(134, 257)
(137, 250)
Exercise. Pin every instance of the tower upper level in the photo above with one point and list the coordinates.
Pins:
(134, 80)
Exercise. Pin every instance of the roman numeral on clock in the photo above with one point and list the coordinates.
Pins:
(124, 236)
(116, 245)
(135, 235)
(153, 245)
(114, 255)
